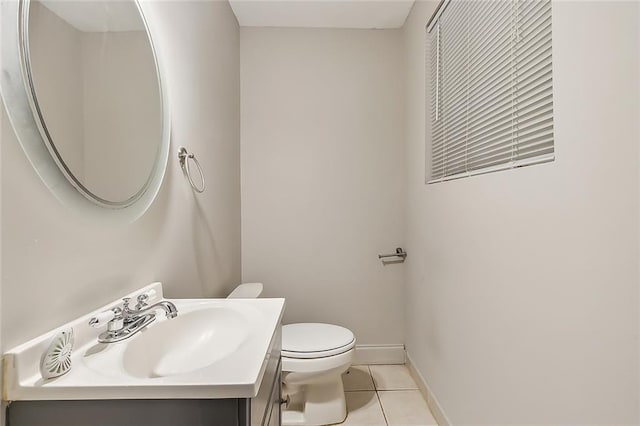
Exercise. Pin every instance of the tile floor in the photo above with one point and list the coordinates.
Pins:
(384, 395)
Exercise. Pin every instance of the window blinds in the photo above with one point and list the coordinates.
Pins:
(491, 97)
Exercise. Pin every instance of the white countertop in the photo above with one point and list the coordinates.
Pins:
(97, 371)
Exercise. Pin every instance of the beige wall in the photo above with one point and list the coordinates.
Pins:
(56, 267)
(322, 174)
(522, 286)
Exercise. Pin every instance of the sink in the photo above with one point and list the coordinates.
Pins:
(189, 342)
(205, 333)
(214, 348)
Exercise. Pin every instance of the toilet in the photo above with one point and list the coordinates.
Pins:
(314, 356)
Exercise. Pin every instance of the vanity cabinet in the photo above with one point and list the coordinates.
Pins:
(261, 410)
(265, 406)
(273, 412)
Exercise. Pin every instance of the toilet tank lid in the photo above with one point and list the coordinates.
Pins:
(246, 291)
(314, 337)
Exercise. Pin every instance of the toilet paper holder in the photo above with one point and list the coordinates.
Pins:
(399, 253)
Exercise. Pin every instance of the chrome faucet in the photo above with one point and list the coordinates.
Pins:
(142, 308)
(125, 322)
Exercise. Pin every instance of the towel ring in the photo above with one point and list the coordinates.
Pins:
(184, 156)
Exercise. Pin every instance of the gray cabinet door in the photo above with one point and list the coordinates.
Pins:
(173, 412)
(273, 418)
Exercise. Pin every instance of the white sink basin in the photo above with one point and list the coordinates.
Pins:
(189, 342)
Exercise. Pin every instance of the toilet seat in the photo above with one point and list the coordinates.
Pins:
(315, 340)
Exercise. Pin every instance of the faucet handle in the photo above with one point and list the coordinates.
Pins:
(104, 317)
(101, 319)
(143, 300)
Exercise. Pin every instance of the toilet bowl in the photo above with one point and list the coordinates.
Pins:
(314, 356)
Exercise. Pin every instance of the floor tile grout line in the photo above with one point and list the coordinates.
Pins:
(375, 384)
(382, 408)
(375, 389)
(373, 381)
(397, 390)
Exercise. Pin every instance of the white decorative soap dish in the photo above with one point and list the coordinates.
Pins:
(56, 361)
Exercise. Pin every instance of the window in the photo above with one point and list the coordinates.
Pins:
(491, 86)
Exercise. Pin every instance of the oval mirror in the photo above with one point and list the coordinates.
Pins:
(91, 83)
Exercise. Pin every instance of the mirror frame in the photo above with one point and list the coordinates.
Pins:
(18, 95)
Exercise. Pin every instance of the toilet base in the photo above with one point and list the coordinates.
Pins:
(315, 404)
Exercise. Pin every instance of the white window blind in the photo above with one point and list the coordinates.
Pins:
(491, 97)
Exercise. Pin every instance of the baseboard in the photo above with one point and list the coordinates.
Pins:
(432, 401)
(379, 354)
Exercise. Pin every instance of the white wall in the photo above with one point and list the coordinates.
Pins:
(322, 174)
(522, 286)
(56, 266)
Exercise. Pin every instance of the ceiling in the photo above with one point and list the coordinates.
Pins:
(322, 13)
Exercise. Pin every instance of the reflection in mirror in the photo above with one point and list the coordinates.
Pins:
(96, 90)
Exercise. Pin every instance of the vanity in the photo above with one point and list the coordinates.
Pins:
(216, 363)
